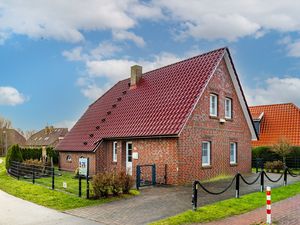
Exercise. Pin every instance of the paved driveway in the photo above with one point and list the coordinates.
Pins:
(15, 211)
(161, 202)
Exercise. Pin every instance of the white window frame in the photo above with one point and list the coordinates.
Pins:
(228, 114)
(208, 153)
(234, 144)
(213, 105)
(114, 151)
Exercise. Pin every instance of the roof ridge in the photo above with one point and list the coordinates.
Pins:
(274, 104)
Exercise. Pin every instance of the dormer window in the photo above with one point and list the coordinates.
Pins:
(213, 109)
(228, 108)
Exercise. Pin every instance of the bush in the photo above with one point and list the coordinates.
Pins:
(13, 154)
(275, 166)
(34, 162)
(126, 182)
(107, 183)
(102, 184)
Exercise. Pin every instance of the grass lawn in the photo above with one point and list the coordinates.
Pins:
(230, 207)
(44, 196)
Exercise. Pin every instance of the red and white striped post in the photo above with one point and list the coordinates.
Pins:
(268, 192)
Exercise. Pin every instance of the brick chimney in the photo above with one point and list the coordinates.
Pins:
(136, 75)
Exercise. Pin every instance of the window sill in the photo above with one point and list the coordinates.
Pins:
(229, 119)
(114, 162)
(233, 164)
(213, 117)
(206, 167)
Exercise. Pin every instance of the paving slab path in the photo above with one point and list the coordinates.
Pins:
(164, 201)
(285, 212)
(15, 211)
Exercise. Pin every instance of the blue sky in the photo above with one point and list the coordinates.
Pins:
(57, 58)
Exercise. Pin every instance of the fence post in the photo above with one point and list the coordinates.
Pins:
(262, 181)
(285, 176)
(18, 172)
(33, 174)
(195, 196)
(53, 175)
(153, 174)
(79, 191)
(87, 179)
(237, 185)
(138, 177)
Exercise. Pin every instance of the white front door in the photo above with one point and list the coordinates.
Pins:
(129, 158)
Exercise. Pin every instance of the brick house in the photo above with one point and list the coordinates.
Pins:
(191, 116)
(273, 122)
(47, 137)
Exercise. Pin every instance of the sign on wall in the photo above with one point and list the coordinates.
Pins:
(83, 166)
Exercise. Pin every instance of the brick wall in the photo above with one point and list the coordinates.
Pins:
(201, 127)
(73, 165)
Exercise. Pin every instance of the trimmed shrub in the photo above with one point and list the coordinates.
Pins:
(13, 154)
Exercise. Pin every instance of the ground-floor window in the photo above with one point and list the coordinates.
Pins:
(233, 152)
(115, 145)
(205, 153)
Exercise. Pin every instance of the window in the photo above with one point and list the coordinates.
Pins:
(233, 153)
(205, 153)
(213, 109)
(115, 145)
(228, 108)
(257, 126)
(69, 158)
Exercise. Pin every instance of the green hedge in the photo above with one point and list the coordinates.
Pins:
(36, 153)
(265, 153)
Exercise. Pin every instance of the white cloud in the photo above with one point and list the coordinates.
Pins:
(232, 19)
(117, 69)
(114, 70)
(275, 90)
(11, 96)
(65, 20)
(74, 54)
(126, 35)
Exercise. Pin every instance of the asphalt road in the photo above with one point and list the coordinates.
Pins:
(15, 211)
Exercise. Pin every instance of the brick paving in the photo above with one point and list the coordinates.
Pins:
(286, 212)
(164, 201)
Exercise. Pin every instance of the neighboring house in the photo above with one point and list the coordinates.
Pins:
(274, 122)
(10, 137)
(191, 116)
(47, 137)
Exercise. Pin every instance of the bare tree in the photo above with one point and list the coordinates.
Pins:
(282, 148)
(28, 133)
(5, 123)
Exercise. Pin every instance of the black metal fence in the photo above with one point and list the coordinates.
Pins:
(50, 177)
(292, 163)
(237, 179)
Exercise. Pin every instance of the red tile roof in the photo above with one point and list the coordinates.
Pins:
(159, 106)
(279, 121)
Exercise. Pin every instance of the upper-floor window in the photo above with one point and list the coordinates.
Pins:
(115, 144)
(228, 108)
(213, 108)
(205, 153)
(233, 153)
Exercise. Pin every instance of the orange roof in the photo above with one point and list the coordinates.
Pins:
(278, 121)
